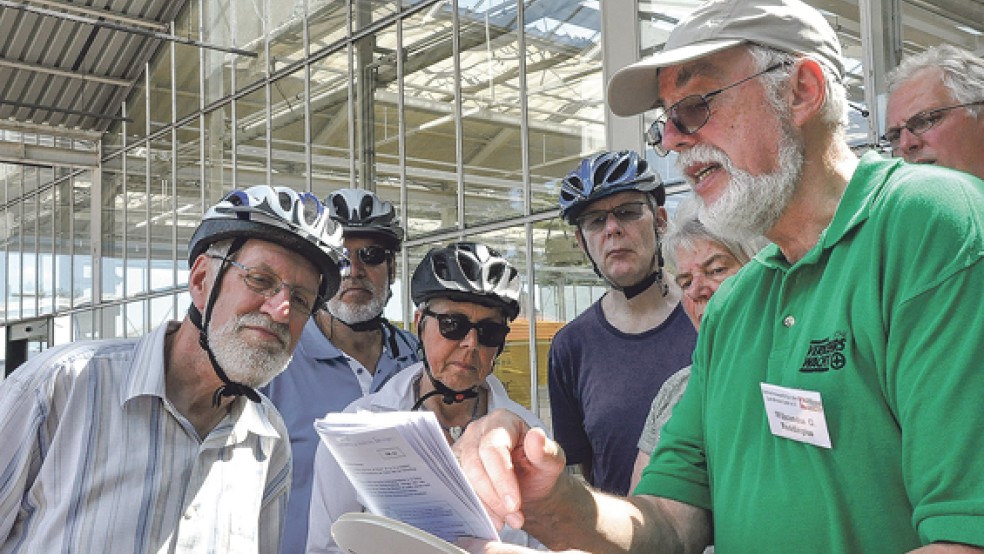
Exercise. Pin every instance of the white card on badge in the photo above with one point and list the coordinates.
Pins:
(796, 414)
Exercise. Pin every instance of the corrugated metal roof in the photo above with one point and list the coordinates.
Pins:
(66, 67)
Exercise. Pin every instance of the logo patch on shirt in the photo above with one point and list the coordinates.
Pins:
(825, 354)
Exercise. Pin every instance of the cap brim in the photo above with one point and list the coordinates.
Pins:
(633, 89)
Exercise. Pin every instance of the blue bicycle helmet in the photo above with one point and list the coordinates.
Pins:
(603, 175)
(362, 213)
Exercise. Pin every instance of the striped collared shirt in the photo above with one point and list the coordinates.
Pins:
(95, 459)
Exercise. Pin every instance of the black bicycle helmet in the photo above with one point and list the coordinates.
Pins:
(296, 221)
(362, 213)
(603, 175)
(467, 272)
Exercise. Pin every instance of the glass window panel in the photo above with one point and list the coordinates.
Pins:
(187, 71)
(63, 244)
(30, 290)
(134, 315)
(430, 141)
(161, 113)
(218, 154)
(327, 23)
(367, 12)
(113, 222)
(84, 325)
(289, 160)
(161, 206)
(161, 310)
(287, 33)
(491, 102)
(137, 214)
(112, 323)
(136, 113)
(330, 147)
(250, 25)
(82, 238)
(565, 92)
(188, 202)
(251, 139)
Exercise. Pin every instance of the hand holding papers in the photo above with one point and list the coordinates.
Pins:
(402, 467)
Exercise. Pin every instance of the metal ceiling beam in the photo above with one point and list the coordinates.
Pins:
(48, 156)
(56, 109)
(106, 14)
(48, 130)
(67, 74)
(124, 28)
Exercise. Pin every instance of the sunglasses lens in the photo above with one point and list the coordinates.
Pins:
(372, 255)
(453, 326)
(457, 326)
(491, 334)
(690, 114)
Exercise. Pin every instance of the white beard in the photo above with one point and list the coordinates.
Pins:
(751, 204)
(357, 313)
(244, 362)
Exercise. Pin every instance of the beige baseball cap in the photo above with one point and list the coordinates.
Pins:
(788, 25)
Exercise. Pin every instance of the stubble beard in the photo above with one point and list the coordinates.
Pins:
(358, 313)
(247, 363)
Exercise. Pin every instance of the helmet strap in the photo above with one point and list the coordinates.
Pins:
(229, 387)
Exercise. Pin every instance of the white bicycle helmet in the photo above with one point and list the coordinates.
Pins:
(467, 272)
(296, 221)
(362, 213)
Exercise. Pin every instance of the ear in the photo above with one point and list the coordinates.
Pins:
(808, 90)
(417, 316)
(580, 239)
(199, 279)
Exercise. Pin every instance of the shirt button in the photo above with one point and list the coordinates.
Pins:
(359, 371)
(789, 321)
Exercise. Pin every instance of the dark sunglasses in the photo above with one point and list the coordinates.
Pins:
(372, 255)
(691, 113)
(595, 220)
(922, 122)
(457, 326)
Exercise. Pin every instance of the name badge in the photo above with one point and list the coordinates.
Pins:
(796, 414)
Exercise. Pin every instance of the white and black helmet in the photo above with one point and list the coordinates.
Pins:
(296, 221)
(467, 272)
(362, 213)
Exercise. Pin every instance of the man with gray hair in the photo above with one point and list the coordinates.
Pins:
(936, 109)
(834, 398)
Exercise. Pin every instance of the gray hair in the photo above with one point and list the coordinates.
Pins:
(834, 110)
(963, 73)
(685, 229)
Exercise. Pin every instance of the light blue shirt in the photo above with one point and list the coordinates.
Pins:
(321, 379)
(95, 458)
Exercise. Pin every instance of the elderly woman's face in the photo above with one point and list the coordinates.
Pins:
(465, 362)
(700, 272)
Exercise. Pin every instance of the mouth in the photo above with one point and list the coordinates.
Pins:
(697, 173)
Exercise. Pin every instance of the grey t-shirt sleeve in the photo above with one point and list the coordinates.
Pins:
(667, 397)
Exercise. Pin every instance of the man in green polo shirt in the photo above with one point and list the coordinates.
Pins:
(834, 403)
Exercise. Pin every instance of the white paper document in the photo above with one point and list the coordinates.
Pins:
(402, 467)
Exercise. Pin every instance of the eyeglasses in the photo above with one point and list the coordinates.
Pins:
(373, 255)
(595, 220)
(457, 326)
(268, 285)
(922, 122)
(691, 113)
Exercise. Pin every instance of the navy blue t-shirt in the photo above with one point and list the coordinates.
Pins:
(602, 384)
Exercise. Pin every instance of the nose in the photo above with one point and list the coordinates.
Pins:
(674, 139)
(277, 305)
(470, 340)
(701, 288)
(909, 144)
(612, 224)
